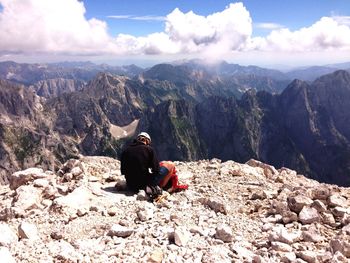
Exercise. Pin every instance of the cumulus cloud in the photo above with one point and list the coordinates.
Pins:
(325, 35)
(342, 20)
(50, 26)
(268, 26)
(215, 34)
(60, 27)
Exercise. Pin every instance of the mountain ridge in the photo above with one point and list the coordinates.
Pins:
(304, 126)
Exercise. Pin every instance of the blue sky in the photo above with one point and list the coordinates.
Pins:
(292, 14)
(260, 32)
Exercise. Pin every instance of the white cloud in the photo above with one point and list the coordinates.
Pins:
(215, 34)
(140, 18)
(60, 27)
(342, 20)
(268, 26)
(50, 26)
(325, 35)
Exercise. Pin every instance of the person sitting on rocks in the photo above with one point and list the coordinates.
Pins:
(167, 178)
(139, 164)
(136, 162)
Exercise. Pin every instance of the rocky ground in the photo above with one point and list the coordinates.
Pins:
(231, 212)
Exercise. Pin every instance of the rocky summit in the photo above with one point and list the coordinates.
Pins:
(232, 212)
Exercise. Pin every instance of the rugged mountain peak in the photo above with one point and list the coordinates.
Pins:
(56, 87)
(340, 79)
(105, 83)
(232, 212)
(296, 89)
(18, 101)
(179, 75)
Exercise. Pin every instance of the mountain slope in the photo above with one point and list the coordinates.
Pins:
(232, 212)
(26, 134)
(306, 127)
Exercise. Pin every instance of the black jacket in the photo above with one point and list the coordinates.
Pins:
(136, 160)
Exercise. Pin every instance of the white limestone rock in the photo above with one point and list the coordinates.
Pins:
(328, 218)
(280, 246)
(339, 211)
(146, 212)
(321, 193)
(319, 206)
(312, 235)
(281, 234)
(217, 205)
(346, 230)
(5, 255)
(181, 236)
(338, 257)
(64, 251)
(337, 200)
(82, 211)
(308, 215)
(76, 172)
(269, 170)
(7, 235)
(112, 211)
(43, 183)
(238, 169)
(80, 197)
(288, 257)
(224, 233)
(142, 196)
(289, 217)
(219, 254)
(341, 244)
(28, 231)
(244, 253)
(22, 177)
(296, 203)
(27, 197)
(120, 231)
(308, 255)
(156, 256)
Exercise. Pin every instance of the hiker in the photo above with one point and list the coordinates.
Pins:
(168, 179)
(139, 164)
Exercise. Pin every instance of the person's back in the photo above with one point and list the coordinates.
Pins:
(136, 160)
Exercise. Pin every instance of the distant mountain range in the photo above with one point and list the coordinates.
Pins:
(29, 74)
(49, 113)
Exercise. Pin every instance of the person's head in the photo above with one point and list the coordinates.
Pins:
(144, 138)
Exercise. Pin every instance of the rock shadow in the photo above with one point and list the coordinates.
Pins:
(116, 190)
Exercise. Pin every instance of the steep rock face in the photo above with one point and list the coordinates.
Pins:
(221, 126)
(175, 136)
(120, 101)
(331, 93)
(75, 112)
(15, 100)
(26, 135)
(305, 128)
(318, 123)
(56, 87)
